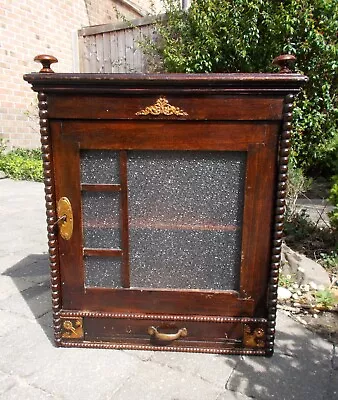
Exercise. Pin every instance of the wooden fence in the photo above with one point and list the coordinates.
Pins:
(115, 47)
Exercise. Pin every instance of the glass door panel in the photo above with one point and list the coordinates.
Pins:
(100, 166)
(103, 271)
(185, 218)
(101, 217)
(179, 214)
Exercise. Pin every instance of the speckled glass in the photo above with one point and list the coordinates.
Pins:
(99, 166)
(101, 219)
(185, 217)
(102, 271)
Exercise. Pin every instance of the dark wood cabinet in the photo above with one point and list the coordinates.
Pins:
(165, 197)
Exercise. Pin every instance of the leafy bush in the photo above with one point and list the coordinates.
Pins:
(244, 36)
(329, 261)
(22, 164)
(325, 298)
(298, 184)
(333, 215)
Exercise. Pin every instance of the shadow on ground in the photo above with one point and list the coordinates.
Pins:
(32, 279)
(301, 367)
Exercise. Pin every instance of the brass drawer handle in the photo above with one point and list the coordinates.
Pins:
(167, 337)
(65, 218)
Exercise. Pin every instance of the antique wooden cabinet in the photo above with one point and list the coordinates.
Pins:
(165, 197)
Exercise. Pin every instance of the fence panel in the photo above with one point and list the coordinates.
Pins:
(115, 47)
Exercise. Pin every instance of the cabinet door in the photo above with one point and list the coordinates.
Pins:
(168, 217)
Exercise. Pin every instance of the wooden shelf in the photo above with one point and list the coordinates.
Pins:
(165, 225)
(88, 187)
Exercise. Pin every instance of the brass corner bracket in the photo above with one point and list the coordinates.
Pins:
(253, 337)
(72, 328)
(162, 107)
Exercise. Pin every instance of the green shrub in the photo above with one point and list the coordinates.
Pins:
(333, 215)
(244, 36)
(325, 298)
(22, 164)
(298, 184)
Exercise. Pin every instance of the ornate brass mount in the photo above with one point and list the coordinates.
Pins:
(161, 107)
(253, 337)
(167, 337)
(72, 328)
(65, 218)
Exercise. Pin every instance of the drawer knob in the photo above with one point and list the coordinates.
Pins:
(284, 62)
(46, 60)
(167, 337)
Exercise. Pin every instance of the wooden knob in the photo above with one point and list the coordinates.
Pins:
(284, 62)
(46, 61)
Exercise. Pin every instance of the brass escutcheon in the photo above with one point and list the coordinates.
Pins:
(65, 218)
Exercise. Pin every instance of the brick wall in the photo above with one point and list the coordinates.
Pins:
(107, 11)
(29, 28)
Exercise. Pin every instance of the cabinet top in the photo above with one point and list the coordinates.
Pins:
(227, 82)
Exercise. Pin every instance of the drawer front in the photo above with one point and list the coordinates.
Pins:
(175, 333)
(169, 107)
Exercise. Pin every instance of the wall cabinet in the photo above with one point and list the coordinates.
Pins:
(165, 197)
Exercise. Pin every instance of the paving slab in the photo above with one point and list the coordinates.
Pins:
(230, 395)
(212, 368)
(32, 267)
(32, 302)
(13, 387)
(300, 368)
(89, 374)
(8, 287)
(335, 357)
(332, 390)
(304, 365)
(163, 382)
(10, 323)
(9, 259)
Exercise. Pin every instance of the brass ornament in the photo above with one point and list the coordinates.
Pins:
(253, 338)
(162, 107)
(72, 329)
(65, 218)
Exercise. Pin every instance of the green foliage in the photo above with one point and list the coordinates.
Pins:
(306, 237)
(298, 184)
(2, 146)
(333, 215)
(298, 227)
(329, 261)
(245, 36)
(325, 298)
(22, 164)
(286, 280)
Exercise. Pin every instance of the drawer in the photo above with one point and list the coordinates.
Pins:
(167, 333)
(163, 107)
